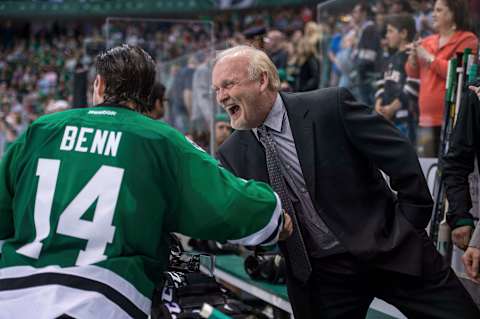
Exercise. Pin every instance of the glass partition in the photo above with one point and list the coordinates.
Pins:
(182, 50)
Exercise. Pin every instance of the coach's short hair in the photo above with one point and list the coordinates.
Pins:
(258, 62)
(129, 74)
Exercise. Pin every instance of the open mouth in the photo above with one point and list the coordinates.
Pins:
(233, 109)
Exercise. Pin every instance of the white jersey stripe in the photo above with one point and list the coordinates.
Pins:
(47, 302)
(99, 274)
(263, 234)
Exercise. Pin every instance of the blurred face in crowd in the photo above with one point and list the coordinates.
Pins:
(380, 20)
(273, 40)
(394, 37)
(396, 8)
(442, 16)
(222, 132)
(238, 94)
(423, 5)
(358, 15)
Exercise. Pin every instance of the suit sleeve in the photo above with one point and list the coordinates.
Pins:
(7, 184)
(392, 153)
(459, 162)
(214, 204)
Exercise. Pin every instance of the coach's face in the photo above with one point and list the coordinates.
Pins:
(237, 93)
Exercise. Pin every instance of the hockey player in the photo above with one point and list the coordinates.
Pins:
(88, 197)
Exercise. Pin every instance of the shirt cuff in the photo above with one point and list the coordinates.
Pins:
(475, 241)
(464, 222)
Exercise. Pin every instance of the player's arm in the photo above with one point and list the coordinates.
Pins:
(7, 182)
(214, 204)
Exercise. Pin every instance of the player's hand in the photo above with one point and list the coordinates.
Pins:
(471, 260)
(461, 236)
(287, 228)
(476, 90)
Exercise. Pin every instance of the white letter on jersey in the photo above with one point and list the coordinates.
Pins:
(103, 189)
(112, 143)
(68, 140)
(82, 139)
(47, 172)
(98, 143)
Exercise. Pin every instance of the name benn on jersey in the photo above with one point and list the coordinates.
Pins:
(87, 139)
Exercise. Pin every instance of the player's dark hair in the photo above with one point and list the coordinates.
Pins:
(129, 74)
(158, 92)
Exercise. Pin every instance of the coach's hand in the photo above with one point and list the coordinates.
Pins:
(287, 227)
(461, 236)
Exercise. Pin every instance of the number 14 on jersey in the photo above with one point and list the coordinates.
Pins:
(104, 186)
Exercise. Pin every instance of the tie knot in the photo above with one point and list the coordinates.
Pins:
(262, 131)
(262, 128)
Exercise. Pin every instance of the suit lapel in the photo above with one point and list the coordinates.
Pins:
(253, 158)
(304, 137)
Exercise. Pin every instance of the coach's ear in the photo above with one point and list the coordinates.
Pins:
(98, 89)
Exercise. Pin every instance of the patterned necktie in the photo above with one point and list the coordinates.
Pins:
(295, 246)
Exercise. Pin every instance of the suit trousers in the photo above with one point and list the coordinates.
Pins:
(342, 287)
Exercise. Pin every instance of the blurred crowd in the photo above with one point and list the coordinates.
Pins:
(47, 67)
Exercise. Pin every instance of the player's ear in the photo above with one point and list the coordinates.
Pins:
(100, 84)
(98, 89)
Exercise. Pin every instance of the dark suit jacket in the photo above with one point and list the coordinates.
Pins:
(342, 145)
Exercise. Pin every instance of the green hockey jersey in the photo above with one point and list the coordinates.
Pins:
(87, 199)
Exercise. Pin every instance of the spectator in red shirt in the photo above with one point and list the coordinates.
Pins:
(428, 60)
